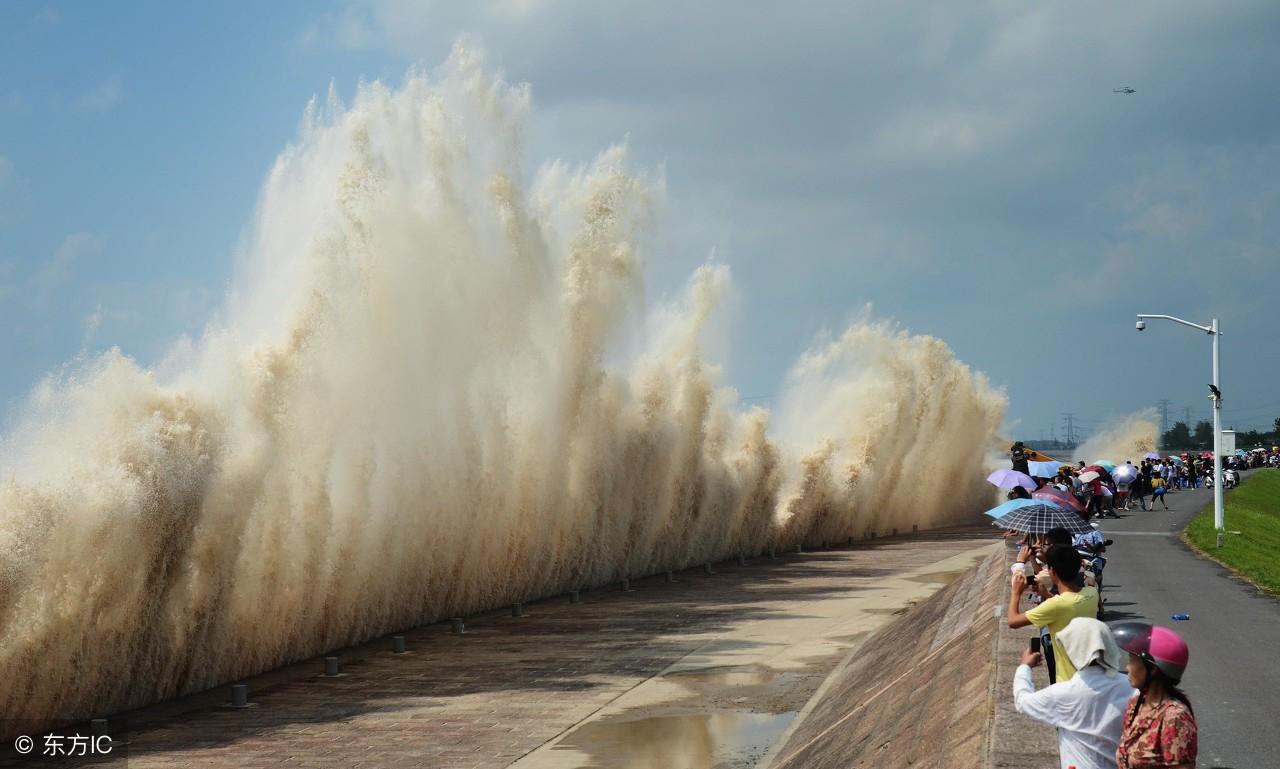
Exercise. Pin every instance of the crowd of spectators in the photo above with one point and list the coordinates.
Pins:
(1113, 691)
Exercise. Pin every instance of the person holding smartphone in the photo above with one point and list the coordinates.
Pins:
(1071, 601)
(1089, 709)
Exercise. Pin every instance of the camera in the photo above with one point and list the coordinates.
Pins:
(1140, 325)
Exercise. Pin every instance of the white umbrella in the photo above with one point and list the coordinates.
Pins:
(1043, 469)
(1124, 473)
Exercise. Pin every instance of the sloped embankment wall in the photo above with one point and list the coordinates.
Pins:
(918, 693)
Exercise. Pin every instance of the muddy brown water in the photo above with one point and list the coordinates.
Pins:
(731, 719)
(726, 718)
(719, 739)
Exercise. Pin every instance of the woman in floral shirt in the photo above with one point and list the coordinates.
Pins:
(1159, 725)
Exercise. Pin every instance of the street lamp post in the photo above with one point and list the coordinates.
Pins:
(1216, 396)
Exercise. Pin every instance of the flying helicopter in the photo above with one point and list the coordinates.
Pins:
(1126, 90)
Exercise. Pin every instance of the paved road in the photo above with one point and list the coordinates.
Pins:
(1233, 678)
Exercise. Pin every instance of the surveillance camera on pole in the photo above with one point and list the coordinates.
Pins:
(1215, 395)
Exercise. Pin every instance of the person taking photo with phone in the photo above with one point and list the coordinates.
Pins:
(1089, 709)
(1071, 601)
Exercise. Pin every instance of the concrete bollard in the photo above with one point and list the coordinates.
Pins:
(706, 568)
(575, 596)
(330, 667)
(397, 644)
(671, 577)
(742, 559)
(773, 554)
(239, 696)
(517, 610)
(915, 528)
(458, 627)
(895, 532)
(850, 541)
(626, 586)
(799, 547)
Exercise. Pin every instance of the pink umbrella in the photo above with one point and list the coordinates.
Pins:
(1059, 497)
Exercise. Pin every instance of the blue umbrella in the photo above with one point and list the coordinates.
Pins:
(1106, 464)
(1011, 505)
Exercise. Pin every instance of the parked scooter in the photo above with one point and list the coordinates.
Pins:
(1092, 548)
(1230, 479)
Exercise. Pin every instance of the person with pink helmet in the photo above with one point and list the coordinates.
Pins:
(1159, 725)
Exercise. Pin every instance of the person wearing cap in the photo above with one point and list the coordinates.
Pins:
(1159, 724)
(1087, 710)
(1055, 613)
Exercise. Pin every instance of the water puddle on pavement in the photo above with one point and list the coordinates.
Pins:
(720, 739)
(729, 720)
(752, 677)
(944, 577)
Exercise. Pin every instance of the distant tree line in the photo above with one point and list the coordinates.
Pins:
(1180, 436)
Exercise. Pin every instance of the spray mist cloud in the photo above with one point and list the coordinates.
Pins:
(415, 405)
(1123, 439)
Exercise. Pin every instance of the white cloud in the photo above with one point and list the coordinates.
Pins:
(8, 287)
(58, 269)
(13, 193)
(102, 97)
(91, 325)
(350, 29)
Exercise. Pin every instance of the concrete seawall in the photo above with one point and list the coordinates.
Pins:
(921, 692)
(708, 670)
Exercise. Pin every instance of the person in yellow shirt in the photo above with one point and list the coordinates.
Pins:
(1157, 492)
(1072, 600)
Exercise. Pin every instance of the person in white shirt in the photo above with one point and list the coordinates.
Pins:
(1088, 709)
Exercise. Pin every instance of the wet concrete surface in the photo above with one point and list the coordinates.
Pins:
(714, 665)
(917, 693)
(731, 716)
(729, 720)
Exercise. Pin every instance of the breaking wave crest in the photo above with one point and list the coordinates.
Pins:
(419, 402)
(1127, 439)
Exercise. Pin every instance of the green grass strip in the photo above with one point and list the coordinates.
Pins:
(1253, 509)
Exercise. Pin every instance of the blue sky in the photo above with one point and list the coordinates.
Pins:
(966, 169)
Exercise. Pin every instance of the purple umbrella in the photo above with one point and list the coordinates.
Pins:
(1009, 479)
(1151, 455)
